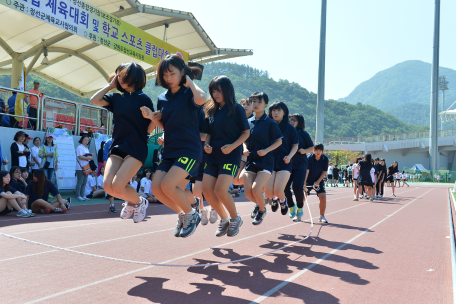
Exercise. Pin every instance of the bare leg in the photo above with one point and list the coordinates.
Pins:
(221, 190)
(160, 195)
(120, 186)
(257, 187)
(198, 192)
(169, 185)
(209, 183)
(269, 186)
(322, 197)
(280, 181)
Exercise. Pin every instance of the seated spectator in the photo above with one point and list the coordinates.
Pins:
(91, 189)
(11, 198)
(2, 109)
(49, 155)
(112, 207)
(37, 193)
(145, 178)
(148, 195)
(26, 175)
(17, 181)
(100, 157)
(19, 152)
(234, 191)
(134, 183)
(35, 157)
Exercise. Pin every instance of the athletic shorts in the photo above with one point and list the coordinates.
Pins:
(330, 176)
(118, 153)
(199, 176)
(310, 188)
(215, 170)
(256, 169)
(350, 178)
(5, 211)
(191, 166)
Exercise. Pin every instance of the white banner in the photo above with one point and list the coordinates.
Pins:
(67, 160)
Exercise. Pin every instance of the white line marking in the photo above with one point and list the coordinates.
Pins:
(300, 273)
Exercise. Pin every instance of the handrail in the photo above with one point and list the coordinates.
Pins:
(60, 101)
(88, 106)
(23, 110)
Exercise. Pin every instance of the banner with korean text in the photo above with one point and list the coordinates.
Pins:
(83, 19)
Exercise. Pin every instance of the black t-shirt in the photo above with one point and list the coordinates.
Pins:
(299, 160)
(17, 185)
(392, 170)
(263, 133)
(316, 167)
(100, 156)
(130, 130)
(363, 165)
(336, 172)
(225, 129)
(180, 118)
(48, 188)
(289, 139)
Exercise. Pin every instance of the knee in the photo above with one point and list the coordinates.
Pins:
(156, 188)
(219, 192)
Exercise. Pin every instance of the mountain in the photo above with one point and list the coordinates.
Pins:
(341, 118)
(404, 91)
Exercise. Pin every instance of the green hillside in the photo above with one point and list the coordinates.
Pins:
(341, 119)
(404, 90)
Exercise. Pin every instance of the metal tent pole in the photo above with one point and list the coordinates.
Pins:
(433, 134)
(320, 119)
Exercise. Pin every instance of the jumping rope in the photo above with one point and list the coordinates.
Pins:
(170, 265)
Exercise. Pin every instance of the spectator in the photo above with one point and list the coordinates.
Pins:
(148, 191)
(100, 157)
(19, 153)
(33, 103)
(83, 156)
(49, 155)
(16, 179)
(145, 178)
(11, 198)
(36, 160)
(37, 193)
(2, 109)
(26, 143)
(11, 110)
(112, 207)
(91, 190)
(134, 183)
(3, 161)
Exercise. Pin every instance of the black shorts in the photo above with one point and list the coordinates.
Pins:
(350, 178)
(191, 166)
(90, 195)
(330, 176)
(5, 211)
(118, 153)
(199, 176)
(309, 187)
(215, 170)
(255, 169)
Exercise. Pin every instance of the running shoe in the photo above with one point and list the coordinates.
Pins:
(23, 213)
(189, 224)
(179, 223)
(140, 210)
(59, 210)
(275, 204)
(45, 211)
(297, 219)
(323, 219)
(254, 211)
(127, 210)
(30, 212)
(394, 195)
(361, 196)
(68, 203)
(112, 209)
(213, 216)
(86, 198)
(284, 207)
(259, 217)
(381, 196)
(80, 199)
(354, 196)
(355, 199)
(367, 196)
(299, 212)
(235, 224)
(196, 203)
(222, 228)
(371, 200)
(292, 211)
(204, 219)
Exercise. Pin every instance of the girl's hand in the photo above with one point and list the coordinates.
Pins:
(246, 153)
(207, 149)
(23, 196)
(262, 152)
(160, 140)
(156, 116)
(287, 159)
(188, 81)
(146, 112)
(22, 179)
(227, 149)
(113, 84)
(301, 151)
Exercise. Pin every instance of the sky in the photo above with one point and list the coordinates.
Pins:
(363, 37)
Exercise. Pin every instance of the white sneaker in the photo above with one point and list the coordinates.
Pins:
(127, 210)
(139, 211)
(29, 211)
(204, 219)
(213, 217)
(86, 198)
(22, 213)
(78, 198)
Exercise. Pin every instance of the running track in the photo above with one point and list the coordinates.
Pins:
(394, 250)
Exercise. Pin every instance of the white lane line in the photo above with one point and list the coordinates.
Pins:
(172, 260)
(300, 273)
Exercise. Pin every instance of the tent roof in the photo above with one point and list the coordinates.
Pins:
(449, 112)
(83, 67)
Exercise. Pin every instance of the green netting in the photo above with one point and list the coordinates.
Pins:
(430, 176)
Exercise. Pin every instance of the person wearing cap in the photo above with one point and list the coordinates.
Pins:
(49, 156)
(33, 103)
(11, 105)
(19, 152)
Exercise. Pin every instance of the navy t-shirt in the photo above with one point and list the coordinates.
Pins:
(17, 185)
(12, 190)
(316, 167)
(48, 188)
(290, 138)
(300, 160)
(130, 130)
(263, 133)
(224, 130)
(202, 122)
(180, 118)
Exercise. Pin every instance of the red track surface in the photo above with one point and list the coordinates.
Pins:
(342, 262)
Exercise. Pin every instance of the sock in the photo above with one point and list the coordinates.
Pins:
(57, 210)
(276, 198)
(283, 201)
(225, 219)
(192, 212)
(112, 205)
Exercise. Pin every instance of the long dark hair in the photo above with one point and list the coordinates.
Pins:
(6, 187)
(13, 169)
(179, 64)
(45, 141)
(368, 159)
(285, 120)
(101, 147)
(223, 84)
(301, 123)
(38, 187)
(82, 138)
(132, 74)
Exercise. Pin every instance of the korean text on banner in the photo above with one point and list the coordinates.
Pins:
(83, 19)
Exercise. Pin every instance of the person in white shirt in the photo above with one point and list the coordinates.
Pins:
(404, 179)
(148, 191)
(83, 156)
(398, 179)
(91, 187)
(35, 158)
(355, 175)
(133, 182)
(330, 175)
(145, 178)
(100, 178)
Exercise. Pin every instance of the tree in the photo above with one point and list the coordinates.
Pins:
(342, 157)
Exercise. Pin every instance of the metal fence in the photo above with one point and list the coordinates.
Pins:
(24, 121)
(86, 112)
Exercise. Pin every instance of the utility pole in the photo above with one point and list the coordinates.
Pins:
(320, 119)
(433, 132)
